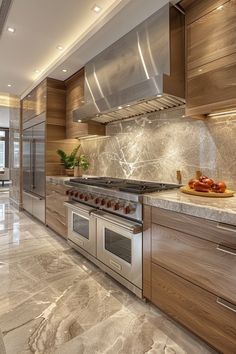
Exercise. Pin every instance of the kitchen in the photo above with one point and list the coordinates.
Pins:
(118, 234)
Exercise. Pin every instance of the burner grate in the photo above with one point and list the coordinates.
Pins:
(123, 185)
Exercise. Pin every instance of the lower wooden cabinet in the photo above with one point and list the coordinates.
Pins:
(205, 314)
(55, 209)
(207, 264)
(189, 271)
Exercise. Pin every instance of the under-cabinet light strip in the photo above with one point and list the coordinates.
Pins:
(219, 114)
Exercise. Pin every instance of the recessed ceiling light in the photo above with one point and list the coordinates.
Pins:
(59, 47)
(220, 7)
(79, 120)
(159, 95)
(200, 70)
(120, 107)
(36, 71)
(9, 85)
(96, 8)
(64, 70)
(11, 29)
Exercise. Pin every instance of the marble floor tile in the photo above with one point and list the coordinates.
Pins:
(54, 301)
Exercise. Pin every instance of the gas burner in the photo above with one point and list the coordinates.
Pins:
(125, 185)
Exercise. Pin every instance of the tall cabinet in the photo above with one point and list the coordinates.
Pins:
(44, 121)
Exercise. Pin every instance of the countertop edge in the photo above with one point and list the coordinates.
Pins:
(225, 215)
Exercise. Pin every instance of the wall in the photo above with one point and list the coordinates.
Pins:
(14, 152)
(4, 117)
(153, 147)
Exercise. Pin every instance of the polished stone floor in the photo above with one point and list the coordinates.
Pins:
(52, 300)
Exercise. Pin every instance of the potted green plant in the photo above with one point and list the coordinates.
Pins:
(81, 165)
(69, 160)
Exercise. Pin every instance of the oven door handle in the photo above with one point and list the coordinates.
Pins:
(75, 207)
(131, 227)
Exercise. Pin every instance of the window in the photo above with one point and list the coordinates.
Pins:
(4, 144)
(2, 154)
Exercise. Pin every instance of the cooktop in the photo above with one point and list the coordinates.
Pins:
(125, 185)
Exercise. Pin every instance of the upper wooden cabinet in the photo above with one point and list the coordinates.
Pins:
(49, 96)
(35, 102)
(210, 55)
(75, 98)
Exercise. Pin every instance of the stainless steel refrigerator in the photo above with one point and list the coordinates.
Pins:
(34, 167)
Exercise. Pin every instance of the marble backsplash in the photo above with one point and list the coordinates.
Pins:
(154, 147)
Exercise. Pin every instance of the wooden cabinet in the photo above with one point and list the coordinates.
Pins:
(209, 316)
(75, 98)
(209, 265)
(35, 102)
(210, 55)
(49, 97)
(189, 271)
(55, 209)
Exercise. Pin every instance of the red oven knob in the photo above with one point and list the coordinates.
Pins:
(116, 206)
(76, 194)
(108, 204)
(81, 196)
(127, 210)
(86, 198)
(68, 192)
(97, 200)
(103, 202)
(71, 193)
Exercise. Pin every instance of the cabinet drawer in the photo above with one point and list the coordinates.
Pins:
(200, 311)
(56, 222)
(204, 263)
(206, 229)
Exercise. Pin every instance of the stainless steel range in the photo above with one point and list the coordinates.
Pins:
(105, 224)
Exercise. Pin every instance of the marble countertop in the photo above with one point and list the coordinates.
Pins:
(217, 209)
(62, 179)
(58, 179)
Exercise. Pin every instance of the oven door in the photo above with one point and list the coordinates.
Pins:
(119, 246)
(82, 226)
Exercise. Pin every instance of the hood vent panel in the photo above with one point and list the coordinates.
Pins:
(146, 63)
(145, 107)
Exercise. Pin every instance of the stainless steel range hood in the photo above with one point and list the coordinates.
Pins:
(140, 73)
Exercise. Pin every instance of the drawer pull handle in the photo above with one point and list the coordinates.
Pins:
(226, 227)
(226, 249)
(226, 304)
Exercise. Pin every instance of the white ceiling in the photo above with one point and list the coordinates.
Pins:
(42, 25)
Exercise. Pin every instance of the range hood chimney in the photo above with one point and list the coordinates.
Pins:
(140, 73)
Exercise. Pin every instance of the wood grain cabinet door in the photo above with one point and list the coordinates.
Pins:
(211, 56)
(55, 210)
(212, 37)
(207, 315)
(41, 98)
(207, 264)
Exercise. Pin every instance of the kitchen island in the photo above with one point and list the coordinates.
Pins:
(189, 263)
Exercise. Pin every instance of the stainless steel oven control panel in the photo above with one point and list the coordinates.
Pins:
(122, 207)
